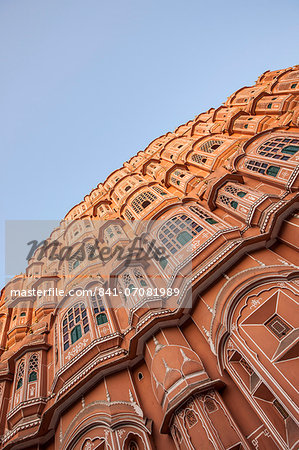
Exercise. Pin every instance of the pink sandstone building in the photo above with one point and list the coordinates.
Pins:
(194, 348)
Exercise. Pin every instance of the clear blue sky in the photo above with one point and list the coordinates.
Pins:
(85, 84)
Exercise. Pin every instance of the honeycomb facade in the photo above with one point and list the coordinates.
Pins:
(213, 367)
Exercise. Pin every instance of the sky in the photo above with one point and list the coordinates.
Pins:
(86, 84)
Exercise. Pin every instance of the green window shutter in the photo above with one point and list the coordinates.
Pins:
(101, 319)
(290, 149)
(211, 220)
(241, 194)
(76, 333)
(234, 204)
(131, 287)
(272, 171)
(20, 383)
(33, 376)
(163, 262)
(184, 237)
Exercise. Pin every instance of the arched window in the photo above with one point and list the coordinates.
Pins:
(142, 201)
(178, 231)
(279, 148)
(132, 280)
(190, 417)
(99, 309)
(20, 375)
(33, 368)
(133, 446)
(75, 321)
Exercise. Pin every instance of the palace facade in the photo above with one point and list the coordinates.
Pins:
(193, 348)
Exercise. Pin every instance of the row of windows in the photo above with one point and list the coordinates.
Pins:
(262, 167)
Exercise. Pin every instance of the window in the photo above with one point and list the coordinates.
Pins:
(294, 86)
(184, 237)
(101, 319)
(261, 167)
(246, 125)
(75, 261)
(272, 171)
(228, 201)
(269, 106)
(190, 417)
(129, 216)
(163, 262)
(178, 231)
(278, 326)
(210, 405)
(198, 158)
(23, 314)
(75, 318)
(142, 201)
(210, 146)
(159, 190)
(290, 149)
(279, 148)
(131, 280)
(235, 191)
(99, 309)
(140, 278)
(20, 375)
(33, 368)
(76, 333)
